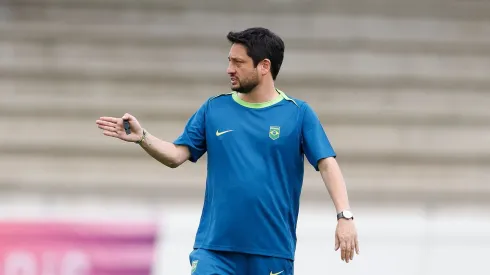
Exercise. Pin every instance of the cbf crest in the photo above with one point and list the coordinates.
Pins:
(194, 266)
(274, 132)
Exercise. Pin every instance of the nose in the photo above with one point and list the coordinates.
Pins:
(230, 70)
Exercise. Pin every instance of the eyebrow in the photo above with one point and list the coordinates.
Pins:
(235, 58)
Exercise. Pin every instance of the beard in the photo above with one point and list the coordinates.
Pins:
(247, 85)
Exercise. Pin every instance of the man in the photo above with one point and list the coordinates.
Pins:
(256, 138)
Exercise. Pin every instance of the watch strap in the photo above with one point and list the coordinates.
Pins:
(341, 216)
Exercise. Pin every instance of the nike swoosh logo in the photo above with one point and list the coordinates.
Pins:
(276, 273)
(218, 133)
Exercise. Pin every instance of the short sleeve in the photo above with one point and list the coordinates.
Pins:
(315, 143)
(194, 134)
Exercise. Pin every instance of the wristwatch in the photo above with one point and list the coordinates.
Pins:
(346, 214)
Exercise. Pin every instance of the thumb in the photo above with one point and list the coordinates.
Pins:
(337, 243)
(127, 116)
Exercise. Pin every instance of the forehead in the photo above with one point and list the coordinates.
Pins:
(238, 51)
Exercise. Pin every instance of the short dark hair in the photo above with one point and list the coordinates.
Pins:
(261, 43)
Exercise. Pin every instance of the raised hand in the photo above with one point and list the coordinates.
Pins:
(113, 127)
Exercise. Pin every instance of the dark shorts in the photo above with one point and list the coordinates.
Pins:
(211, 262)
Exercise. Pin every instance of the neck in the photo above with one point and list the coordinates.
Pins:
(264, 92)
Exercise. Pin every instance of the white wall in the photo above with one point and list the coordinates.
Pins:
(395, 239)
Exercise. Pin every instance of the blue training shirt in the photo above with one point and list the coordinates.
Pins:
(255, 171)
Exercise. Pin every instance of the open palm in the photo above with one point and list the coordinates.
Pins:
(113, 127)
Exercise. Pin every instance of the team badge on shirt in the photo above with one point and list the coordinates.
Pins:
(274, 132)
(194, 266)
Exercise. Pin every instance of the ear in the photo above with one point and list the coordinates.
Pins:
(265, 66)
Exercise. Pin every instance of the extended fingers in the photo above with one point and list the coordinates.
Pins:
(108, 128)
(108, 119)
(105, 123)
(352, 250)
(348, 251)
(357, 246)
(343, 250)
(349, 246)
(110, 133)
(109, 125)
(337, 243)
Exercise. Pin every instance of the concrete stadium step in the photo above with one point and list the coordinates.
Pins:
(159, 101)
(147, 177)
(144, 41)
(155, 43)
(433, 8)
(193, 60)
(64, 138)
(168, 24)
(316, 81)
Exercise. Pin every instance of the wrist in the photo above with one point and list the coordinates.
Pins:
(142, 138)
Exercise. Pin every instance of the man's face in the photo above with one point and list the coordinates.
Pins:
(244, 77)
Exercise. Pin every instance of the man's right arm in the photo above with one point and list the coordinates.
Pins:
(167, 153)
(190, 145)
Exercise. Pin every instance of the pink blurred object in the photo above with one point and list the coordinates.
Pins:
(60, 248)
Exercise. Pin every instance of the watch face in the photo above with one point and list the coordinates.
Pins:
(347, 214)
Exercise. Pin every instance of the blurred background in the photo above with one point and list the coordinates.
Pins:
(402, 87)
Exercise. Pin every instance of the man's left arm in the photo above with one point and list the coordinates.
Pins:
(320, 153)
(346, 233)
